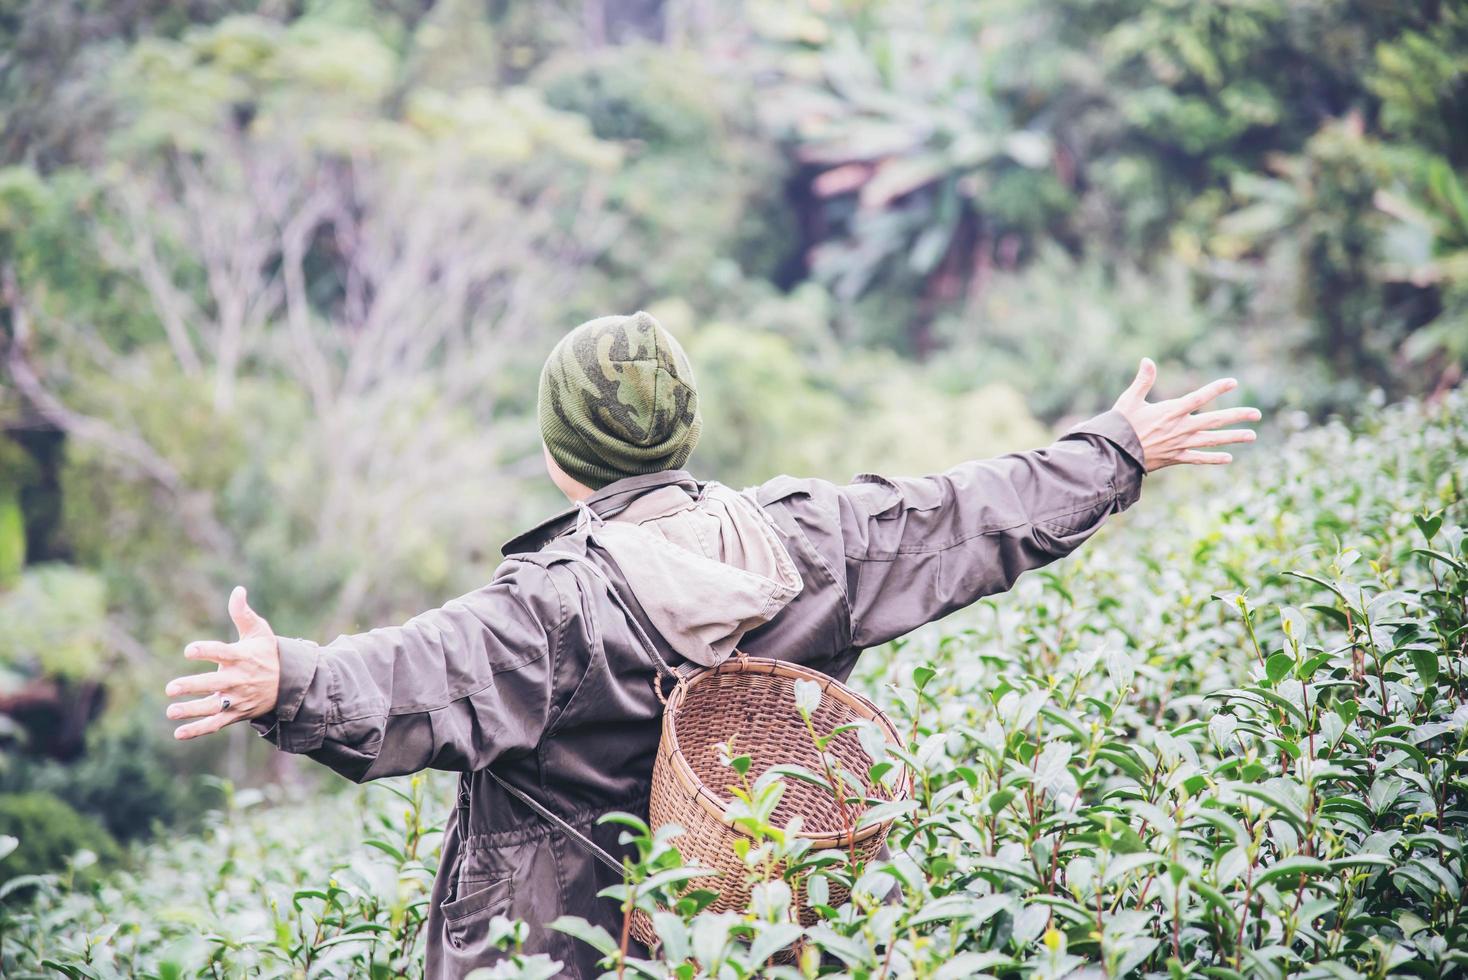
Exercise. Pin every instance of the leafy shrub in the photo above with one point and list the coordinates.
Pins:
(51, 833)
(636, 93)
(941, 142)
(782, 412)
(1228, 739)
(1058, 330)
(129, 779)
(263, 893)
(700, 195)
(1239, 750)
(53, 620)
(12, 537)
(17, 469)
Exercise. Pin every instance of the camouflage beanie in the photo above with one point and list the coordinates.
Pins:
(617, 398)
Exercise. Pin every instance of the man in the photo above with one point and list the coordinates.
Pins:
(539, 681)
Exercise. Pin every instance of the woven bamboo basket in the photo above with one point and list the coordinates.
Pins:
(753, 701)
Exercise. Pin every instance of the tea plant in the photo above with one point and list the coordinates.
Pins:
(1230, 738)
(338, 887)
(1237, 752)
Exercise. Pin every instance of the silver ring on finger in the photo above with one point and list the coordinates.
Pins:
(224, 702)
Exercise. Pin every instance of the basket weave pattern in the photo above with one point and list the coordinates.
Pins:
(753, 701)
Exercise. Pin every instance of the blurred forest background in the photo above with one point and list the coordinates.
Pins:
(276, 279)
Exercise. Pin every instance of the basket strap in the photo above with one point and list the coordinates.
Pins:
(642, 637)
(679, 675)
(591, 846)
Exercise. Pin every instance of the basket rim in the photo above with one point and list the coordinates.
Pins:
(714, 804)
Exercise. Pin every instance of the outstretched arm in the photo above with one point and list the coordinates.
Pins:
(453, 688)
(918, 549)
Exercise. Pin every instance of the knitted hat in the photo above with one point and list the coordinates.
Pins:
(617, 398)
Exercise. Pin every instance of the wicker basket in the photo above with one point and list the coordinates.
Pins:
(752, 700)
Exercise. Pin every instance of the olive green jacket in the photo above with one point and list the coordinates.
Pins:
(539, 677)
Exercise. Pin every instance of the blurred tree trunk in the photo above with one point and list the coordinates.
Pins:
(55, 713)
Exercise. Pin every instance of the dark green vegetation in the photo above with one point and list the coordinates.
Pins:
(276, 278)
(45, 832)
(1230, 738)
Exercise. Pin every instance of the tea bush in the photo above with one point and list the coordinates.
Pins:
(1230, 738)
(337, 886)
(47, 830)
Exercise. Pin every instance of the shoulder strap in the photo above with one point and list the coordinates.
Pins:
(638, 631)
(681, 673)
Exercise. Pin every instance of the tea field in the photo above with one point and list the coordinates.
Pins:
(1229, 738)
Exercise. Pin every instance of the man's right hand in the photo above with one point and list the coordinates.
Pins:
(246, 684)
(1171, 433)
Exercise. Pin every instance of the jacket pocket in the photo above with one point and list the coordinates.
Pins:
(466, 918)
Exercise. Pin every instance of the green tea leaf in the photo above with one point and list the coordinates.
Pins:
(1277, 666)
(577, 927)
(1425, 662)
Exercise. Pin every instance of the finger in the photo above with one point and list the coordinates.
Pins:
(205, 683)
(1197, 399)
(204, 727)
(246, 620)
(212, 650)
(1142, 383)
(1204, 459)
(1221, 437)
(1225, 416)
(195, 709)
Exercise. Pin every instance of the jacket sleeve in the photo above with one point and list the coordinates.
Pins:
(920, 548)
(453, 688)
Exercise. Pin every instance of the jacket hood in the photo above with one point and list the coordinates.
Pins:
(705, 569)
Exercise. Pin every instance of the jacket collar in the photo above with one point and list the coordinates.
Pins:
(610, 500)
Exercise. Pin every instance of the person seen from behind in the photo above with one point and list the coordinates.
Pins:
(536, 683)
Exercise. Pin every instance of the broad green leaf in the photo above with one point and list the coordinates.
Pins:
(1362, 861)
(966, 965)
(973, 910)
(1125, 864)
(1291, 868)
(595, 936)
(1425, 661)
(1429, 524)
(882, 812)
(771, 938)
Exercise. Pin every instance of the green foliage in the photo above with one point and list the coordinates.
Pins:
(1432, 246)
(131, 778)
(341, 903)
(286, 273)
(780, 409)
(53, 621)
(944, 142)
(52, 835)
(1230, 739)
(637, 93)
(12, 537)
(1418, 77)
(699, 194)
(1077, 318)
